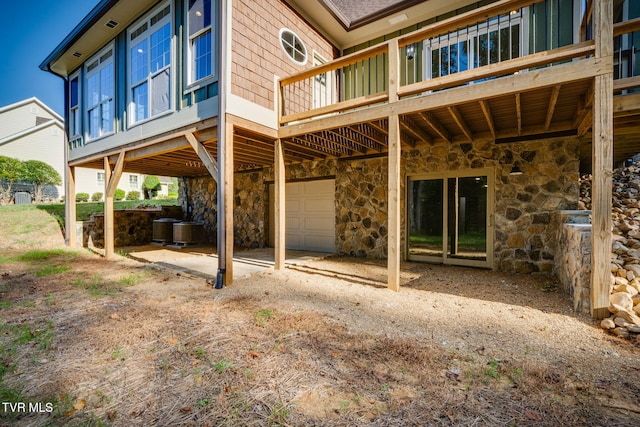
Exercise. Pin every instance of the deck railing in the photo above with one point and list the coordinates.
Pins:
(481, 44)
(626, 60)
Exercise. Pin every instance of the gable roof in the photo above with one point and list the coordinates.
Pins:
(32, 100)
(356, 13)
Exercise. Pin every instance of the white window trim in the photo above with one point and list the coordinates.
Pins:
(190, 84)
(98, 180)
(84, 98)
(130, 43)
(79, 107)
(133, 182)
(284, 49)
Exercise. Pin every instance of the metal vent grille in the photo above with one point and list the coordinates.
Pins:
(77, 54)
(111, 23)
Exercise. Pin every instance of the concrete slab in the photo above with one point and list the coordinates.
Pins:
(202, 261)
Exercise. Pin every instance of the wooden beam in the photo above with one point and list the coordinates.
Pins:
(108, 225)
(336, 108)
(410, 127)
(115, 174)
(111, 179)
(626, 83)
(205, 156)
(394, 212)
(70, 207)
(486, 110)
(363, 130)
(435, 125)
(585, 124)
(461, 122)
(548, 77)
(602, 160)
(279, 203)
(519, 113)
(228, 203)
(626, 103)
(394, 70)
(163, 147)
(551, 108)
(626, 27)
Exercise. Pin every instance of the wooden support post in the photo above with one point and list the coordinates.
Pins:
(393, 237)
(109, 215)
(279, 203)
(70, 207)
(602, 160)
(228, 195)
(111, 179)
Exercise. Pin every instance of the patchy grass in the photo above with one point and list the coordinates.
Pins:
(111, 343)
(99, 286)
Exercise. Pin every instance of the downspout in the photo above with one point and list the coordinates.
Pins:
(222, 123)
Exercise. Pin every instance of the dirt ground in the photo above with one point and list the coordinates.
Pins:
(322, 343)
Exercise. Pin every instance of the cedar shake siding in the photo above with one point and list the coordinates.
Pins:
(257, 56)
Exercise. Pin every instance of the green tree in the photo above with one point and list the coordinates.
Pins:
(151, 186)
(10, 172)
(173, 188)
(40, 174)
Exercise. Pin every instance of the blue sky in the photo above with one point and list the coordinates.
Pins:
(28, 33)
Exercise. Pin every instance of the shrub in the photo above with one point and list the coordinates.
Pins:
(151, 186)
(119, 195)
(82, 197)
(133, 195)
(96, 197)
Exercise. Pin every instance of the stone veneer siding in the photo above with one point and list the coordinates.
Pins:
(573, 256)
(132, 227)
(250, 201)
(525, 238)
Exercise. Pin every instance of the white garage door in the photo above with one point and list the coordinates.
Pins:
(310, 215)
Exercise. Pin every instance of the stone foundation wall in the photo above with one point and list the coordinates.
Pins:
(573, 256)
(132, 226)
(198, 197)
(525, 239)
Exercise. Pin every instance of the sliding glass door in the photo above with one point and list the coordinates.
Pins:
(450, 218)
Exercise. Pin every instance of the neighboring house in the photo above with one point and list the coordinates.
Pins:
(92, 181)
(29, 130)
(443, 130)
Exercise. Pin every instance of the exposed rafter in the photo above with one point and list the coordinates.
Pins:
(460, 121)
(435, 125)
(410, 127)
(555, 92)
(486, 110)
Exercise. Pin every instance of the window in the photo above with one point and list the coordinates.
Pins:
(75, 122)
(293, 46)
(99, 83)
(133, 182)
(200, 40)
(100, 178)
(150, 66)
